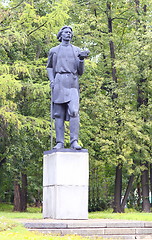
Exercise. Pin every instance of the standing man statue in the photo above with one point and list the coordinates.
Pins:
(65, 63)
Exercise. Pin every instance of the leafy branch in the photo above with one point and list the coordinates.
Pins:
(37, 28)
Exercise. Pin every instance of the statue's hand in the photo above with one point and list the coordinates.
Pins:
(83, 54)
(52, 85)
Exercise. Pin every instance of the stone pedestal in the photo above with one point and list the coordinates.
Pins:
(65, 184)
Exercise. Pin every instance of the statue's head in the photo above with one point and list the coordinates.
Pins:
(59, 35)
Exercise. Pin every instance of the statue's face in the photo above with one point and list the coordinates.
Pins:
(66, 34)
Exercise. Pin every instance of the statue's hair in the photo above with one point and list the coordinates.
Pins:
(59, 37)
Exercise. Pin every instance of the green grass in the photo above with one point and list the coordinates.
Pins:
(12, 230)
(32, 236)
(27, 215)
(6, 210)
(130, 214)
(20, 233)
(6, 207)
(125, 216)
(6, 224)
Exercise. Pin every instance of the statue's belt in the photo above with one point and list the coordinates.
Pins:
(65, 73)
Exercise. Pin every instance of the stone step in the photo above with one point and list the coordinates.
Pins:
(113, 229)
(91, 234)
(97, 231)
(86, 224)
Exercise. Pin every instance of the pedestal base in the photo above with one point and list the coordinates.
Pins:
(65, 184)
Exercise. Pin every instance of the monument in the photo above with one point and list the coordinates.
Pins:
(65, 171)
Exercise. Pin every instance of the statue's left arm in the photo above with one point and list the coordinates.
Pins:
(80, 67)
(81, 56)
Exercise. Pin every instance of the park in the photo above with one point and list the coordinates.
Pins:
(113, 121)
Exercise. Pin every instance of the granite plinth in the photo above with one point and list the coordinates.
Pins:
(65, 184)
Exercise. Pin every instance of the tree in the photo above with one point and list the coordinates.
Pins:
(109, 30)
(26, 37)
(24, 135)
(115, 92)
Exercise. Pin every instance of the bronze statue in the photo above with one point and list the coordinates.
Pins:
(65, 64)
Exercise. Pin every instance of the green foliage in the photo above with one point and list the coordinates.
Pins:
(115, 128)
(26, 35)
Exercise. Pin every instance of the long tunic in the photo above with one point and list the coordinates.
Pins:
(66, 67)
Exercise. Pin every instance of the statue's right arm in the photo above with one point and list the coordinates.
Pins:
(50, 68)
(51, 76)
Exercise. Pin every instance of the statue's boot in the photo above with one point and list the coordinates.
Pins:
(58, 146)
(59, 128)
(75, 145)
(74, 132)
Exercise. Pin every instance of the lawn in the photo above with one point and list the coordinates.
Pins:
(20, 233)
(125, 216)
(6, 210)
(12, 230)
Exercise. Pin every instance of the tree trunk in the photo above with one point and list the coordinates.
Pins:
(151, 184)
(142, 99)
(17, 197)
(118, 189)
(139, 195)
(130, 182)
(20, 194)
(145, 190)
(118, 176)
(24, 192)
(111, 43)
